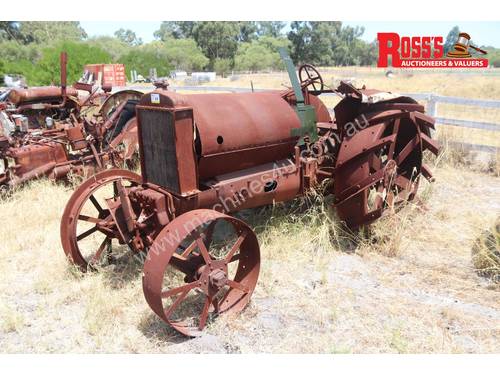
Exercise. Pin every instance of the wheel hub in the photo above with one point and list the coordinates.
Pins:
(390, 171)
(212, 277)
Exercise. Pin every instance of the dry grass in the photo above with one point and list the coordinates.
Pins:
(410, 286)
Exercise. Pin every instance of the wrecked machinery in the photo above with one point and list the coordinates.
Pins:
(206, 156)
(54, 131)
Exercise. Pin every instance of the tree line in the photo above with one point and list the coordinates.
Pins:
(31, 48)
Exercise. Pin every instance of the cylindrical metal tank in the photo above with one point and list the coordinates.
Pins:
(235, 131)
(19, 96)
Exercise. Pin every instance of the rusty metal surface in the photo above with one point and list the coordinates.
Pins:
(206, 156)
(204, 269)
(102, 220)
(379, 167)
(50, 131)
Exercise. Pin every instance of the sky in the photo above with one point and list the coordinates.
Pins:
(482, 33)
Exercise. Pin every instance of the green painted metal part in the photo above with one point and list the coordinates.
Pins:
(306, 113)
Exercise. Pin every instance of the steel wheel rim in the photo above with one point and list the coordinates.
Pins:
(73, 215)
(230, 296)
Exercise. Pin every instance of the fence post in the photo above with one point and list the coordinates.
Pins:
(432, 109)
(432, 106)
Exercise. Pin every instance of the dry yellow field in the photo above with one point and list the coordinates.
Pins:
(409, 287)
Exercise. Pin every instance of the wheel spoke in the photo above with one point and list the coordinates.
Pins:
(86, 233)
(176, 303)
(235, 258)
(89, 219)
(204, 313)
(203, 250)
(96, 203)
(406, 151)
(99, 252)
(173, 292)
(189, 249)
(236, 285)
(390, 154)
(235, 247)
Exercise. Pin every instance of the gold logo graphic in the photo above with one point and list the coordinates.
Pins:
(461, 47)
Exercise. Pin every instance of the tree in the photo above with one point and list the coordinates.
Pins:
(248, 31)
(146, 57)
(270, 28)
(79, 54)
(217, 40)
(184, 54)
(253, 57)
(45, 32)
(260, 54)
(328, 43)
(128, 36)
(451, 39)
(175, 29)
(13, 51)
(115, 47)
(222, 66)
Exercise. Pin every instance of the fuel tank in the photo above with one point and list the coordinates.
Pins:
(35, 94)
(235, 131)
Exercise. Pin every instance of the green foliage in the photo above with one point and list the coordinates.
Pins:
(128, 37)
(45, 32)
(115, 47)
(270, 28)
(184, 54)
(47, 69)
(222, 66)
(328, 43)
(32, 48)
(79, 54)
(451, 39)
(248, 31)
(217, 40)
(260, 54)
(146, 57)
(12, 51)
(175, 29)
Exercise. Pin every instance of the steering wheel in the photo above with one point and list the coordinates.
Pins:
(309, 74)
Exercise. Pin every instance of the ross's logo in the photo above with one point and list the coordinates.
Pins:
(427, 52)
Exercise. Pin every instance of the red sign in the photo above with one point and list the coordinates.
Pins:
(419, 52)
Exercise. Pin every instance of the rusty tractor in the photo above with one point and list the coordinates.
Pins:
(206, 156)
(54, 131)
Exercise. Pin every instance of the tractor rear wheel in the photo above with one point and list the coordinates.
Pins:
(379, 167)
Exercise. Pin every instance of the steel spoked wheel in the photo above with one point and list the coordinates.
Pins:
(88, 225)
(204, 263)
(379, 167)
